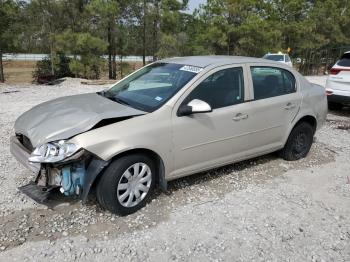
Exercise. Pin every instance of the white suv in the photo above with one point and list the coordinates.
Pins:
(338, 83)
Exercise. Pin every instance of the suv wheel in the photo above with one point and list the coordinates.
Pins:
(334, 106)
(127, 184)
(299, 142)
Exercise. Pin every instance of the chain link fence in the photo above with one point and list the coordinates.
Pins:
(318, 62)
(310, 62)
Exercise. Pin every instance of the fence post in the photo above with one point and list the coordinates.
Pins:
(2, 78)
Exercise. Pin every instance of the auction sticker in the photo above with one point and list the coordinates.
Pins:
(192, 69)
(158, 98)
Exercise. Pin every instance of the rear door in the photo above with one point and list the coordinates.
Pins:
(275, 104)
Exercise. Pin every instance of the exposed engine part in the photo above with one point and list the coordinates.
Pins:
(42, 178)
(54, 177)
(72, 179)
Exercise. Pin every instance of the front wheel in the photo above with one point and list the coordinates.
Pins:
(127, 184)
(299, 142)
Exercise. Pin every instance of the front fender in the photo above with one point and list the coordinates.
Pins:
(95, 167)
(151, 132)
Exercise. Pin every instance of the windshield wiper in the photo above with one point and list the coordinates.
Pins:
(119, 100)
(103, 93)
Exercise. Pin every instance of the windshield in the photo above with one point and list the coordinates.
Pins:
(149, 88)
(278, 58)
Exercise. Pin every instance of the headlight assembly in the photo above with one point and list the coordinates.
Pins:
(53, 152)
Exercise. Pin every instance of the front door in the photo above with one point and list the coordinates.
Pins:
(206, 140)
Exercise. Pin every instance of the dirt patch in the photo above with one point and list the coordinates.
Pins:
(19, 71)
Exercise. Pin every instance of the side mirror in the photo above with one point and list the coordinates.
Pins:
(193, 107)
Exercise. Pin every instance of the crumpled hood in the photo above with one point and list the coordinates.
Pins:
(68, 116)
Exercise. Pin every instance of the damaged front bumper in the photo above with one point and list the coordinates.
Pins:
(74, 177)
(22, 154)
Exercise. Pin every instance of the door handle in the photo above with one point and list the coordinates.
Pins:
(289, 106)
(239, 117)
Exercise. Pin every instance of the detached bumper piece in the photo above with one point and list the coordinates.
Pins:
(38, 193)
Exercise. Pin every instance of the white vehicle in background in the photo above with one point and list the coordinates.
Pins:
(279, 57)
(338, 83)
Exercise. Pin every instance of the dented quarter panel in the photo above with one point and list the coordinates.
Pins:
(313, 103)
(65, 117)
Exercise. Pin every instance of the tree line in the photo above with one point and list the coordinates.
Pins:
(85, 30)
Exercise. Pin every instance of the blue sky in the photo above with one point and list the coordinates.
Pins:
(194, 4)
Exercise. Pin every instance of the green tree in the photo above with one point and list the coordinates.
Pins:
(331, 22)
(161, 28)
(86, 51)
(237, 27)
(174, 40)
(105, 15)
(9, 14)
(46, 22)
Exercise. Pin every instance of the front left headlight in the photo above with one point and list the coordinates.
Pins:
(53, 152)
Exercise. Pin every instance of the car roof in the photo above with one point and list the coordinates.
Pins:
(276, 54)
(204, 61)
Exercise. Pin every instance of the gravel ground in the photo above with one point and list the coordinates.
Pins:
(264, 209)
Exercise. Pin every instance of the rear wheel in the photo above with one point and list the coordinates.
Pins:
(127, 184)
(299, 142)
(334, 106)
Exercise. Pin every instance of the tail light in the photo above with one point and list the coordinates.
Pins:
(329, 93)
(335, 71)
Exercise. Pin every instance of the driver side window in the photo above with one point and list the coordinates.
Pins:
(221, 89)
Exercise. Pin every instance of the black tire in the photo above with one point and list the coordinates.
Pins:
(299, 142)
(334, 106)
(106, 191)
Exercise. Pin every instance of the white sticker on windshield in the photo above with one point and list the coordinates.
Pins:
(192, 69)
(158, 98)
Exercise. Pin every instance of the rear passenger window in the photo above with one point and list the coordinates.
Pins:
(344, 60)
(271, 82)
(222, 88)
